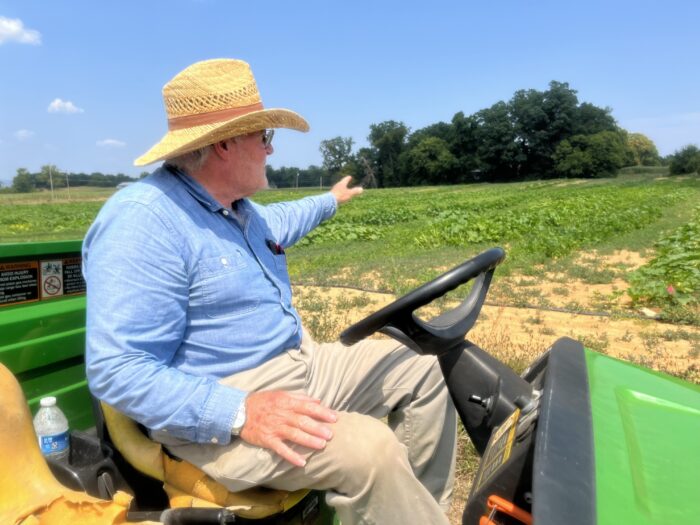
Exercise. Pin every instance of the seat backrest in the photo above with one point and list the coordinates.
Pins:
(185, 484)
(142, 453)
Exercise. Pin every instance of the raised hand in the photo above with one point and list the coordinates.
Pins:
(341, 191)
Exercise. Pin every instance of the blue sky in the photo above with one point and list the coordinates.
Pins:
(80, 83)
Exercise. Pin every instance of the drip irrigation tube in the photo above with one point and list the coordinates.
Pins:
(498, 305)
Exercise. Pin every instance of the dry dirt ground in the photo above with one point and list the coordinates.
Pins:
(599, 315)
(518, 334)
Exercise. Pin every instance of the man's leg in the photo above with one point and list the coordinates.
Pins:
(383, 378)
(368, 472)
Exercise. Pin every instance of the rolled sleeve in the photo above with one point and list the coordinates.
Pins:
(290, 221)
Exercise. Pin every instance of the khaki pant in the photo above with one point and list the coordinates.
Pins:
(371, 474)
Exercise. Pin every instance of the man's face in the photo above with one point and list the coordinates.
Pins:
(248, 164)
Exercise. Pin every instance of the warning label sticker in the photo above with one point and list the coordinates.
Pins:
(498, 449)
(26, 281)
(51, 278)
(19, 282)
(73, 282)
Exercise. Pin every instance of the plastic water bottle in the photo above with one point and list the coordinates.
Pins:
(51, 427)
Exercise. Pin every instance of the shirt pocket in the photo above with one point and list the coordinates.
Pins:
(280, 262)
(228, 288)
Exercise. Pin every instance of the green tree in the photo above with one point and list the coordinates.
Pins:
(429, 162)
(686, 160)
(441, 130)
(23, 182)
(388, 140)
(336, 153)
(591, 119)
(50, 173)
(498, 151)
(541, 120)
(643, 150)
(590, 156)
(465, 144)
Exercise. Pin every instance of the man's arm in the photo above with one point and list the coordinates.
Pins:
(276, 419)
(138, 292)
(291, 220)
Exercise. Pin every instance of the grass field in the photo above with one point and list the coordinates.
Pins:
(391, 240)
(394, 239)
(574, 248)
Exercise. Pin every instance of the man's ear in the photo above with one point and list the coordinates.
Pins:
(221, 148)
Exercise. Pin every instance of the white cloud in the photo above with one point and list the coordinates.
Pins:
(111, 143)
(63, 106)
(13, 29)
(24, 134)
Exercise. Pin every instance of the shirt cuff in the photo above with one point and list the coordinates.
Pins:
(329, 205)
(219, 415)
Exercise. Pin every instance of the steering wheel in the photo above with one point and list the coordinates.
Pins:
(444, 332)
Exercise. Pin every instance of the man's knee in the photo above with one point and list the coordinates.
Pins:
(362, 448)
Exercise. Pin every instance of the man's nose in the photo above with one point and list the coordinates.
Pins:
(270, 149)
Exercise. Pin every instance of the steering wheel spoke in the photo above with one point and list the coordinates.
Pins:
(440, 334)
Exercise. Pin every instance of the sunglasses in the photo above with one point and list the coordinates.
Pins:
(267, 135)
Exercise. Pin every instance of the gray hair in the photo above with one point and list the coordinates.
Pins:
(192, 160)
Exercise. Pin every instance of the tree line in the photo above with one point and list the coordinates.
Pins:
(534, 135)
(49, 176)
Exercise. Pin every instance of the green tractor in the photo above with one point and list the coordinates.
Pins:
(579, 438)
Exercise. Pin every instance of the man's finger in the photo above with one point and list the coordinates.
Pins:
(309, 406)
(302, 397)
(299, 437)
(288, 454)
(320, 413)
(310, 426)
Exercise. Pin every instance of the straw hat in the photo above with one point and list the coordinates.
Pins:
(211, 101)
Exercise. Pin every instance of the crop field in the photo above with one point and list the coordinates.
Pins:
(623, 247)
(614, 263)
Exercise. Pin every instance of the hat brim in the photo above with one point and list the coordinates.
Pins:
(178, 142)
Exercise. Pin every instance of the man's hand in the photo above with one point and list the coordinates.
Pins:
(341, 191)
(275, 417)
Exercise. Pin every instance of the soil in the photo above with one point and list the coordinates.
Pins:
(602, 318)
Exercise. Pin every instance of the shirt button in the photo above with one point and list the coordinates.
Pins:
(226, 213)
(224, 261)
(214, 440)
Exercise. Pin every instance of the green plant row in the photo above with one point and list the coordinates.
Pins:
(672, 277)
(549, 219)
(554, 226)
(21, 221)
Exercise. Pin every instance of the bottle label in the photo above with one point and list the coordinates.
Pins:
(54, 444)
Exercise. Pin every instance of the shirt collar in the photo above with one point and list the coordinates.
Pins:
(195, 189)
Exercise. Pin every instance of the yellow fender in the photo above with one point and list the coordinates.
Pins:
(29, 493)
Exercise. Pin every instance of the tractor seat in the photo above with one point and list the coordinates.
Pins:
(29, 492)
(185, 484)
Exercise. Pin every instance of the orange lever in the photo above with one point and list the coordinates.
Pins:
(498, 504)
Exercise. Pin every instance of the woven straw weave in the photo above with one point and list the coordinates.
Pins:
(229, 83)
(208, 87)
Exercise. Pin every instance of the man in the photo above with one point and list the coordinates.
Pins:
(191, 329)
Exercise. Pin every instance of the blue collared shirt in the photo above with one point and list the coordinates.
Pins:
(182, 292)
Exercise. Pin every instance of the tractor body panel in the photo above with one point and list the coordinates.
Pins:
(42, 321)
(646, 430)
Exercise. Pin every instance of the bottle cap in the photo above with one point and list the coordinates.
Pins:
(47, 401)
